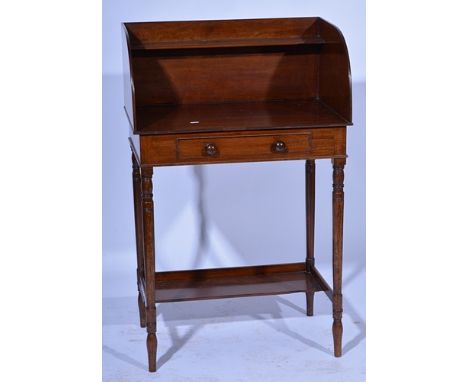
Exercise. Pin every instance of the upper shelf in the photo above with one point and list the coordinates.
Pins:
(227, 43)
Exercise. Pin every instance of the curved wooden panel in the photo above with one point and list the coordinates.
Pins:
(334, 86)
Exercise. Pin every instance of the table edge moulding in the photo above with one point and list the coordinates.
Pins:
(231, 91)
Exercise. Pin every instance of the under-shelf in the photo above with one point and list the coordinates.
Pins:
(236, 116)
(237, 282)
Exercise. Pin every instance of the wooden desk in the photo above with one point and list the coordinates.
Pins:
(201, 92)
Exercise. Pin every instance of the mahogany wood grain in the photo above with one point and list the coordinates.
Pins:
(141, 310)
(338, 207)
(245, 75)
(171, 149)
(208, 33)
(334, 79)
(323, 284)
(137, 207)
(166, 47)
(260, 60)
(310, 229)
(151, 346)
(243, 147)
(238, 116)
(129, 88)
(258, 270)
(149, 248)
(234, 282)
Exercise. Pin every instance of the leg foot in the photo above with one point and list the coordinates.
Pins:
(310, 303)
(337, 336)
(142, 310)
(151, 344)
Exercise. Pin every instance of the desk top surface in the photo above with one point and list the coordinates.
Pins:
(239, 116)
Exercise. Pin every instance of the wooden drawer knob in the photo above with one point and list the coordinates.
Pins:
(211, 149)
(278, 147)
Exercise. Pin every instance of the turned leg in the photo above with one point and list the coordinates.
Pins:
(138, 236)
(310, 230)
(149, 259)
(338, 205)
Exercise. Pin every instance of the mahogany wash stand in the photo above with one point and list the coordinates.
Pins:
(202, 92)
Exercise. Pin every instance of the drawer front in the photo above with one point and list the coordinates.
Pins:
(233, 148)
(242, 146)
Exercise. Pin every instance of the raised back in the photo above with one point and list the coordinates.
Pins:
(225, 75)
(225, 61)
(218, 33)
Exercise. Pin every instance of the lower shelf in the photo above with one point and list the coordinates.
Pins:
(237, 282)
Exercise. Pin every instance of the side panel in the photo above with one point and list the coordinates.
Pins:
(129, 88)
(335, 71)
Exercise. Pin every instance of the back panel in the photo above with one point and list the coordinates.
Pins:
(226, 75)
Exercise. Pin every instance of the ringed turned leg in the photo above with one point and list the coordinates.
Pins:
(137, 207)
(310, 230)
(149, 251)
(338, 206)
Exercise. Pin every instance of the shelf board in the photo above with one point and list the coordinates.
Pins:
(236, 282)
(227, 43)
(239, 116)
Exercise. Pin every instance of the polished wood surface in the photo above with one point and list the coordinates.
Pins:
(338, 208)
(234, 282)
(232, 147)
(209, 33)
(238, 116)
(175, 64)
(334, 77)
(143, 48)
(137, 207)
(236, 75)
(229, 91)
(310, 229)
(149, 250)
